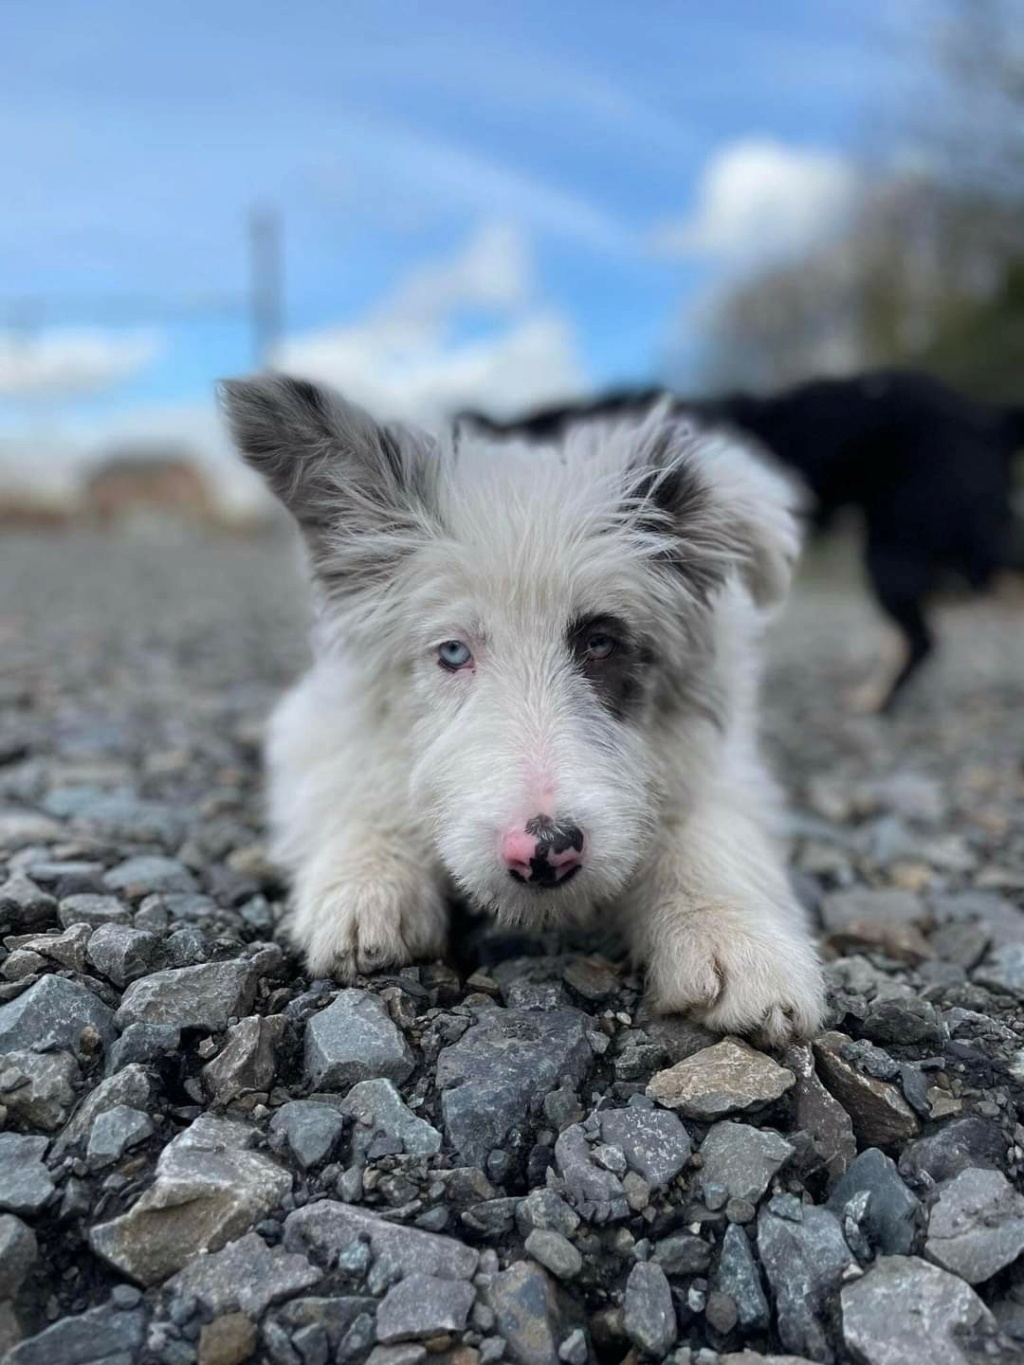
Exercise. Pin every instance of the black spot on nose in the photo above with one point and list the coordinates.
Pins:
(554, 836)
(548, 866)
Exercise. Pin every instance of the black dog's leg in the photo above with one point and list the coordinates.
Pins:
(901, 584)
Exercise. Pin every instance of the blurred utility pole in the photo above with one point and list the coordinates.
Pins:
(266, 283)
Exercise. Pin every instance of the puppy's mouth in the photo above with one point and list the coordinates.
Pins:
(545, 876)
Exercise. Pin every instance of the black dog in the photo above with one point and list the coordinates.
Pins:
(929, 469)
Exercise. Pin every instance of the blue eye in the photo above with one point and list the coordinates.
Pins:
(453, 654)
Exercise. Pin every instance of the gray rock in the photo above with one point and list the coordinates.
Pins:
(648, 1314)
(104, 1335)
(719, 1080)
(18, 1253)
(536, 995)
(956, 1146)
(94, 910)
(26, 1186)
(498, 1073)
(423, 1306)
(554, 1252)
(879, 1113)
(130, 1086)
(405, 1353)
(544, 1209)
(742, 1159)
(39, 1087)
(526, 1312)
(245, 1275)
(914, 796)
(817, 1112)
(336, 1316)
(595, 1193)
(593, 978)
(492, 1218)
(573, 1350)
(208, 1190)
(51, 1015)
(21, 964)
(889, 1219)
(683, 1254)
(24, 907)
(147, 874)
(963, 943)
(654, 1143)
(841, 910)
(143, 1043)
(999, 915)
(19, 828)
(379, 1111)
(1004, 970)
(67, 949)
(114, 1132)
(977, 1226)
(739, 1277)
(325, 1227)
(905, 1021)
(247, 1062)
(206, 996)
(123, 954)
(357, 1340)
(355, 1039)
(308, 1128)
(804, 1256)
(906, 1310)
(120, 815)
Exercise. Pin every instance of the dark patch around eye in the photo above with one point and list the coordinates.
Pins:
(618, 678)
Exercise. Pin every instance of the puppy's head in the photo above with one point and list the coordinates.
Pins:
(539, 623)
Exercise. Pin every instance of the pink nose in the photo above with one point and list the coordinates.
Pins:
(546, 853)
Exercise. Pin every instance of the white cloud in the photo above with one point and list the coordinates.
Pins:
(758, 198)
(403, 361)
(72, 363)
(494, 271)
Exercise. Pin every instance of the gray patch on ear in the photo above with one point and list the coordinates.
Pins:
(712, 533)
(362, 493)
(681, 503)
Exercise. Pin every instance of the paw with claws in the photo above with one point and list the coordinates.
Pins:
(736, 976)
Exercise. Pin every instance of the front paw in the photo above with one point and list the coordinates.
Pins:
(735, 977)
(356, 927)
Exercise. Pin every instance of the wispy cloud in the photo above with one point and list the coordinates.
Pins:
(72, 363)
(396, 161)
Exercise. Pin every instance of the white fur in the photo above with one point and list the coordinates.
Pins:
(391, 779)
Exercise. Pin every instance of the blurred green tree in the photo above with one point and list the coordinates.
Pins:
(929, 270)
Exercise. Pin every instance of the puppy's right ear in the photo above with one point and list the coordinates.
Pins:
(313, 447)
(363, 494)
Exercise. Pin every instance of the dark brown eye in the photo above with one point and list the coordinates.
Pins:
(600, 645)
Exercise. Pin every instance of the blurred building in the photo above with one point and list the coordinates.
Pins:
(149, 485)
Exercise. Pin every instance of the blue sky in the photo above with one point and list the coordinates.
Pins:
(395, 137)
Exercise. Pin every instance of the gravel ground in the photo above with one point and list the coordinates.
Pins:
(206, 1156)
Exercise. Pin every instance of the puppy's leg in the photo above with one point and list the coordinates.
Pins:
(360, 905)
(368, 891)
(721, 932)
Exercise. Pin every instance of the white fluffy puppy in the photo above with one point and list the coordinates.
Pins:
(536, 678)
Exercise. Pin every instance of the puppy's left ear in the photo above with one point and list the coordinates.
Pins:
(725, 509)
